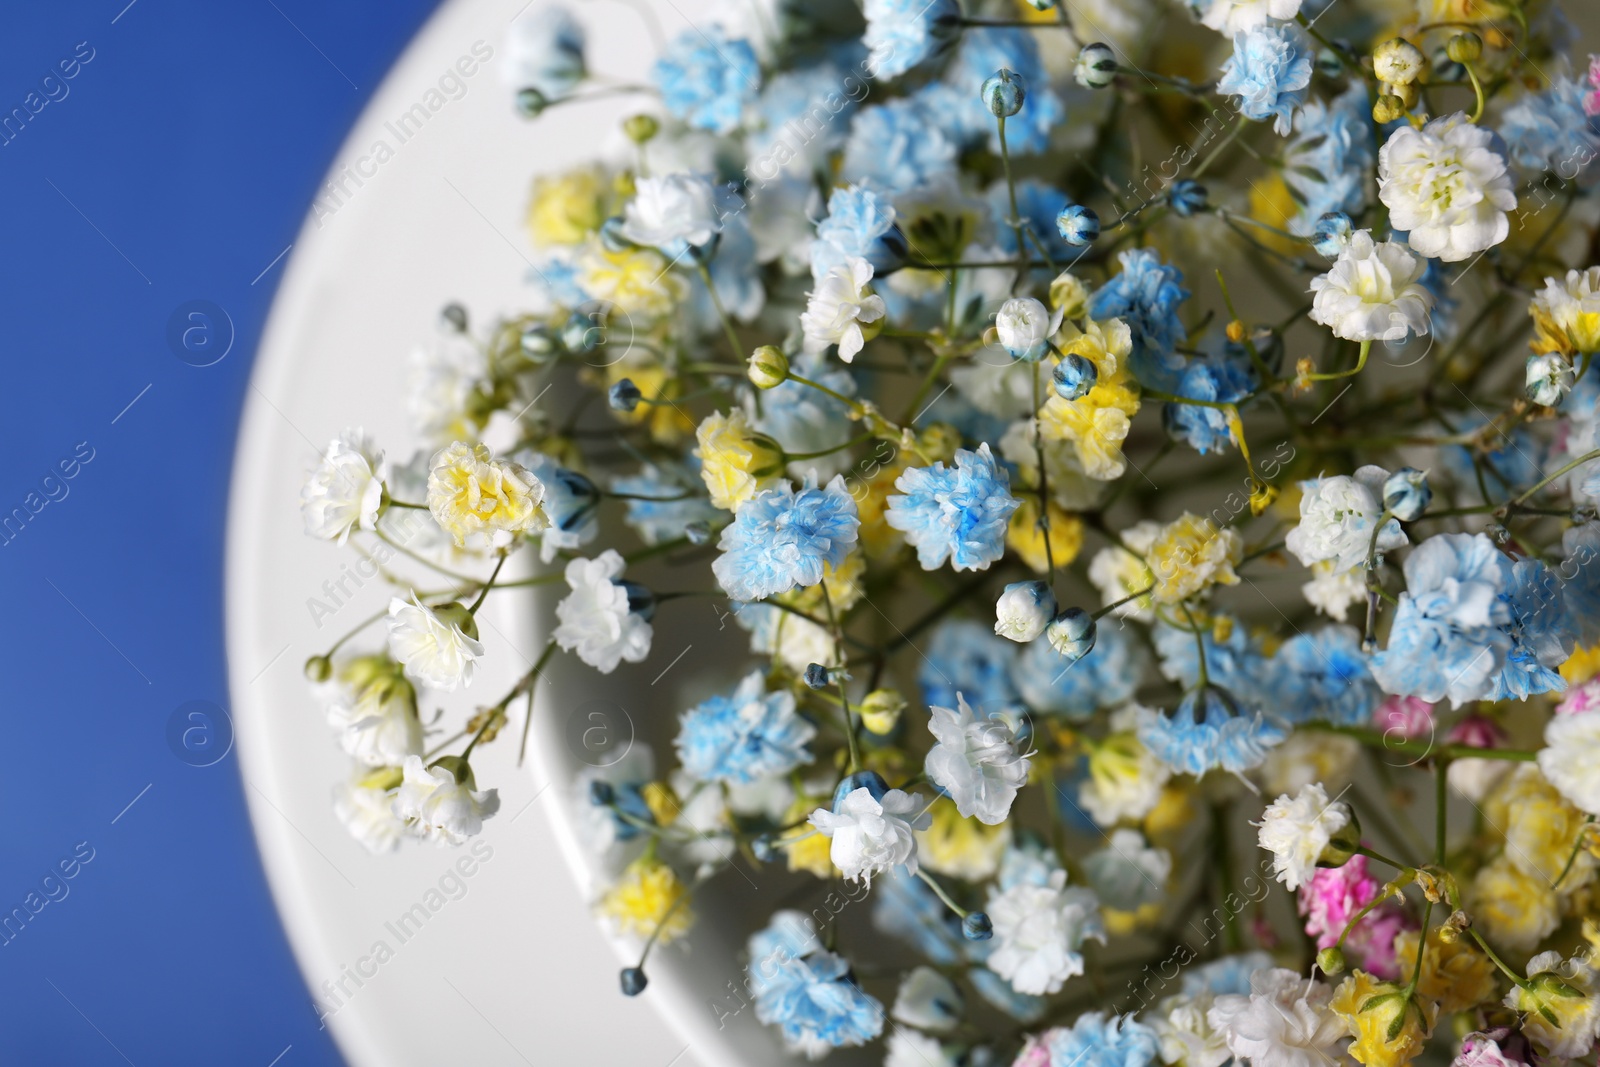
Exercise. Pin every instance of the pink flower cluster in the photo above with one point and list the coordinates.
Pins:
(1333, 896)
(1585, 697)
(1410, 717)
(1492, 1048)
(1591, 102)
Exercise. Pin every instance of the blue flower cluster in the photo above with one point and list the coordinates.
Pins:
(1146, 295)
(664, 500)
(860, 223)
(905, 34)
(1208, 733)
(898, 146)
(745, 737)
(1099, 1040)
(1223, 378)
(966, 658)
(1105, 678)
(1268, 72)
(807, 992)
(708, 79)
(1551, 131)
(957, 513)
(781, 539)
(1330, 157)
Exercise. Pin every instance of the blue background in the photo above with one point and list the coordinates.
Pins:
(179, 165)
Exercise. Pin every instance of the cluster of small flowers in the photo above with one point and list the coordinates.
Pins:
(841, 325)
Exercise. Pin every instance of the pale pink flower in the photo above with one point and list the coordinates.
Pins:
(1409, 717)
(1591, 103)
(1580, 699)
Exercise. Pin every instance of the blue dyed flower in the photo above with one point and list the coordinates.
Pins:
(1105, 678)
(904, 907)
(781, 539)
(955, 513)
(1269, 71)
(544, 51)
(804, 420)
(1226, 378)
(1543, 632)
(1038, 204)
(1027, 862)
(1551, 131)
(1325, 677)
(1449, 634)
(1146, 295)
(735, 274)
(707, 78)
(814, 1001)
(802, 116)
(1238, 663)
(897, 146)
(1023, 1007)
(961, 107)
(1217, 738)
(664, 500)
(1099, 1040)
(1227, 975)
(966, 658)
(570, 499)
(1329, 157)
(904, 34)
(860, 223)
(745, 737)
(1579, 572)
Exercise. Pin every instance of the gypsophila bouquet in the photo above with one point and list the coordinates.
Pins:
(1151, 455)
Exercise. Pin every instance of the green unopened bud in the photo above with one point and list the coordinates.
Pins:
(531, 102)
(460, 768)
(1465, 48)
(319, 668)
(881, 710)
(1345, 842)
(640, 128)
(385, 778)
(769, 367)
(454, 614)
(1387, 109)
(1331, 960)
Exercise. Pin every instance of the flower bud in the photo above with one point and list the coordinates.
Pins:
(1398, 62)
(1024, 326)
(1074, 376)
(455, 614)
(633, 981)
(1406, 494)
(977, 927)
(1345, 842)
(1186, 197)
(881, 709)
(1024, 610)
(871, 781)
(453, 317)
(601, 794)
(1465, 48)
(1331, 961)
(763, 849)
(1002, 93)
(1549, 378)
(1388, 109)
(1072, 634)
(640, 128)
(1078, 225)
(1096, 67)
(538, 343)
(624, 395)
(1332, 233)
(531, 102)
(816, 676)
(581, 333)
(1235, 331)
(697, 533)
(1407, 94)
(769, 367)
(319, 668)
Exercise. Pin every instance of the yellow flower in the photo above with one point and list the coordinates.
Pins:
(1069, 295)
(1582, 665)
(806, 849)
(1454, 973)
(647, 896)
(1119, 923)
(1190, 555)
(1026, 538)
(1272, 202)
(1566, 313)
(662, 802)
(1125, 781)
(1410, 1020)
(876, 537)
(1173, 812)
(843, 584)
(1560, 1012)
(1541, 828)
(635, 281)
(736, 462)
(961, 847)
(1515, 909)
(473, 496)
(566, 208)
(1098, 422)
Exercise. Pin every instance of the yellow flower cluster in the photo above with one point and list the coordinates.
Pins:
(473, 495)
(1191, 554)
(1097, 423)
(806, 849)
(566, 208)
(648, 895)
(1454, 973)
(634, 281)
(1371, 1024)
(1026, 535)
(1566, 314)
(961, 847)
(736, 463)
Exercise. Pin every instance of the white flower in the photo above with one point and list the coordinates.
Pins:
(1239, 16)
(840, 306)
(441, 385)
(1119, 574)
(1125, 779)
(378, 723)
(1308, 756)
(1577, 1018)
(1186, 1035)
(1447, 187)
(907, 1048)
(997, 384)
(1283, 1022)
(1336, 519)
(976, 761)
(870, 836)
(368, 813)
(346, 490)
(1128, 873)
(1024, 610)
(596, 620)
(437, 647)
(475, 498)
(1025, 327)
(1297, 829)
(1549, 378)
(1569, 309)
(544, 51)
(928, 1000)
(1038, 930)
(1571, 758)
(436, 806)
(671, 209)
(1332, 591)
(1372, 292)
